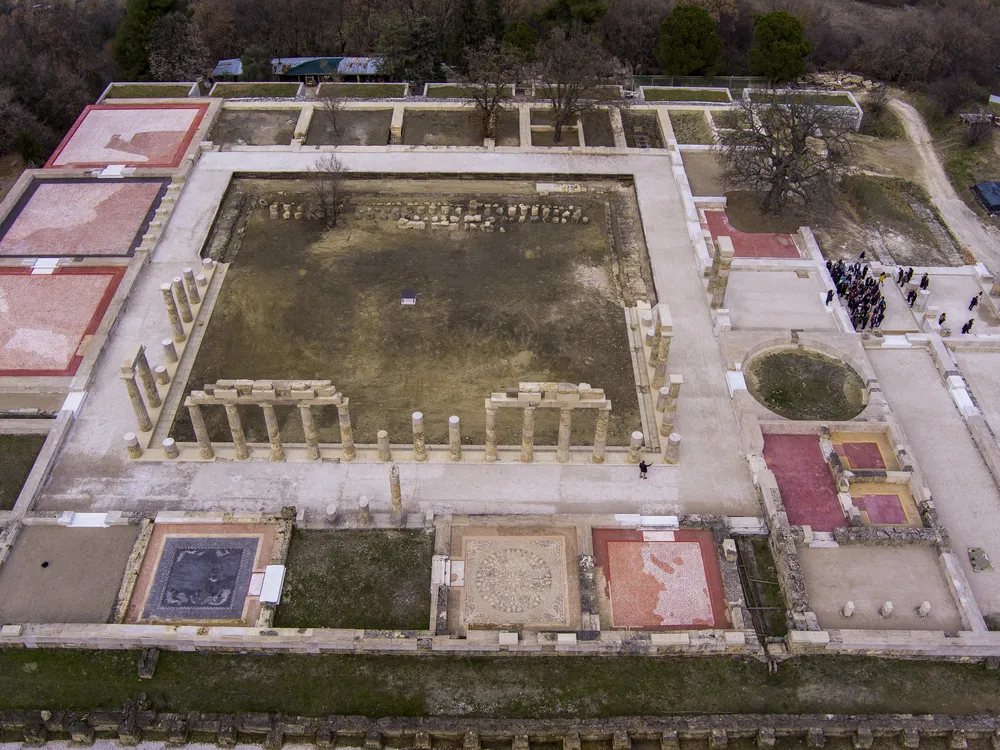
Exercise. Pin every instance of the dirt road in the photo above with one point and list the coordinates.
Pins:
(983, 241)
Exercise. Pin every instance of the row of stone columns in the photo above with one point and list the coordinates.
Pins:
(178, 297)
(148, 397)
(277, 449)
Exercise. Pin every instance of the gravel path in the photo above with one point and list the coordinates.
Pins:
(983, 241)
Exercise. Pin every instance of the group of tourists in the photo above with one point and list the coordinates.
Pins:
(862, 292)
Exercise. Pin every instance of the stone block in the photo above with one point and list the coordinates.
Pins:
(471, 741)
(422, 741)
(508, 638)
(729, 550)
(957, 741)
(910, 739)
(521, 742)
(848, 609)
(571, 741)
(886, 610)
(863, 739)
(718, 739)
(815, 737)
(766, 738)
(81, 733)
(620, 740)
(373, 740)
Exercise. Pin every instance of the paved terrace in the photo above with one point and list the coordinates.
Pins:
(93, 472)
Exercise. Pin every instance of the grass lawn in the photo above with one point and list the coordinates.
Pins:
(239, 90)
(600, 93)
(728, 118)
(691, 127)
(379, 580)
(685, 95)
(768, 575)
(523, 687)
(144, 91)
(17, 456)
(363, 90)
(887, 125)
(967, 166)
(454, 91)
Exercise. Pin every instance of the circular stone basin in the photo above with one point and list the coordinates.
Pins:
(801, 384)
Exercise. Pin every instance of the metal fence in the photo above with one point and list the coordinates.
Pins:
(736, 83)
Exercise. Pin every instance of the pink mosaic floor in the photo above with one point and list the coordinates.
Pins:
(882, 509)
(81, 217)
(45, 318)
(746, 245)
(154, 135)
(862, 455)
(657, 584)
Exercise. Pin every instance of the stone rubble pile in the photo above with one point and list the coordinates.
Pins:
(486, 217)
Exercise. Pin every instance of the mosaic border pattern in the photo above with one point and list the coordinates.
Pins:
(153, 609)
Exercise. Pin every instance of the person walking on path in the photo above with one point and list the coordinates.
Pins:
(968, 326)
(974, 302)
(829, 297)
(941, 318)
(908, 277)
(643, 467)
(911, 297)
(881, 278)
(900, 275)
(925, 281)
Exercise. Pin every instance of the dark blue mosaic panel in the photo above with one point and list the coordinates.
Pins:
(202, 579)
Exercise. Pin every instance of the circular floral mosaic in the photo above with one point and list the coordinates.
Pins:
(514, 580)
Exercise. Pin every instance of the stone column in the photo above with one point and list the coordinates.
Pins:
(273, 433)
(160, 375)
(528, 435)
(674, 391)
(346, 432)
(182, 300)
(236, 427)
(384, 453)
(454, 439)
(635, 448)
(565, 424)
(309, 429)
(397, 496)
(659, 373)
(201, 431)
(170, 449)
(726, 253)
(364, 511)
(169, 351)
(138, 405)
(419, 442)
(661, 398)
(600, 436)
(663, 349)
(176, 326)
(668, 419)
(671, 454)
(132, 445)
(191, 286)
(491, 434)
(146, 378)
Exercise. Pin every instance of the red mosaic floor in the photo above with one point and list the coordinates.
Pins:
(44, 319)
(661, 580)
(862, 455)
(59, 218)
(137, 135)
(747, 245)
(882, 509)
(807, 488)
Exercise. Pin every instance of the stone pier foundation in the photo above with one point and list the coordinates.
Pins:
(528, 435)
(397, 496)
(384, 454)
(419, 440)
(635, 447)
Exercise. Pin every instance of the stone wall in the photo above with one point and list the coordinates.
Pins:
(135, 722)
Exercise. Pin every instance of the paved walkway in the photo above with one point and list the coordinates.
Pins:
(92, 471)
(963, 488)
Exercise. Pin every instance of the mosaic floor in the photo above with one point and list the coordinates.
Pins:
(202, 579)
(885, 504)
(515, 581)
(864, 451)
(45, 320)
(154, 135)
(805, 482)
(202, 573)
(61, 218)
(762, 245)
(659, 580)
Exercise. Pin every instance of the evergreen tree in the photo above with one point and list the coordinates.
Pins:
(521, 39)
(411, 51)
(256, 64)
(690, 44)
(779, 47)
(131, 43)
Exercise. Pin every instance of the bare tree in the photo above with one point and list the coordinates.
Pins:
(979, 128)
(877, 101)
(330, 104)
(576, 75)
(329, 174)
(788, 147)
(492, 71)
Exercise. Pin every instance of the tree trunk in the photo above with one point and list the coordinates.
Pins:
(557, 131)
(774, 199)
